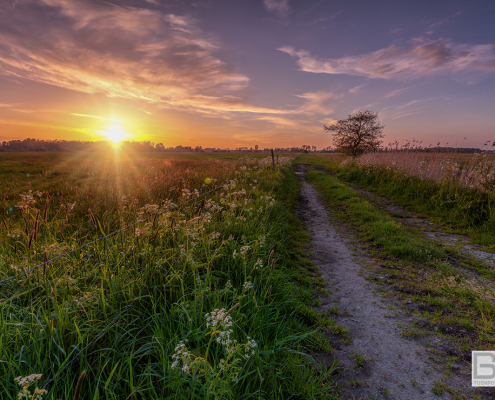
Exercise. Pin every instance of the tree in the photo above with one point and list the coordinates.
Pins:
(357, 134)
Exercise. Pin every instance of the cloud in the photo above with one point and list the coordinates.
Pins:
(280, 122)
(394, 93)
(422, 57)
(40, 125)
(403, 110)
(126, 52)
(303, 116)
(279, 7)
(357, 89)
(95, 116)
(315, 103)
(449, 19)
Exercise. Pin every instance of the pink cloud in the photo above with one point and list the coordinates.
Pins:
(423, 57)
(280, 7)
(315, 103)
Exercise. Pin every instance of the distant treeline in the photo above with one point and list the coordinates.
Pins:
(143, 147)
(78, 145)
(147, 147)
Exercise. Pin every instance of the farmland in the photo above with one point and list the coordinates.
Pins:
(191, 293)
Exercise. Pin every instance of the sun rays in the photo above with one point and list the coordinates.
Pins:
(115, 133)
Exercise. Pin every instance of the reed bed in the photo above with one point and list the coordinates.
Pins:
(474, 171)
(196, 302)
(456, 189)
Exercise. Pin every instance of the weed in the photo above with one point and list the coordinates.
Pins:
(359, 359)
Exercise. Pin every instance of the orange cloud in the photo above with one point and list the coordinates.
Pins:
(125, 52)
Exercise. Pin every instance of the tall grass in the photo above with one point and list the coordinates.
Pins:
(458, 190)
(474, 171)
(215, 259)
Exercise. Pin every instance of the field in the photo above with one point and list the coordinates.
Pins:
(191, 292)
(156, 276)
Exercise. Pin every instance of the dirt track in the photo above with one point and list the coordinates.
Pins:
(395, 367)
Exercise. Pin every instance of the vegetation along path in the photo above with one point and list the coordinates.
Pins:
(383, 351)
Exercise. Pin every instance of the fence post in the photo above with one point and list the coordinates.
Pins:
(273, 160)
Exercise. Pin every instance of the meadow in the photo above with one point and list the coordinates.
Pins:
(191, 294)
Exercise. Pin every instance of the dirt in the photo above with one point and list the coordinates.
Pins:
(395, 367)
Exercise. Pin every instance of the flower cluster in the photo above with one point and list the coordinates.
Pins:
(258, 264)
(249, 347)
(181, 354)
(27, 200)
(218, 319)
(25, 383)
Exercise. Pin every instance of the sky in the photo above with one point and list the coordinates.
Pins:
(231, 73)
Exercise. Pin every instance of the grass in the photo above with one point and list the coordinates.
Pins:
(233, 256)
(464, 204)
(431, 276)
(359, 359)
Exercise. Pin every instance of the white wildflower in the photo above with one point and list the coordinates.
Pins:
(244, 250)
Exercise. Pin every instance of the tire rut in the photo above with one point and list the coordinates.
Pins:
(395, 367)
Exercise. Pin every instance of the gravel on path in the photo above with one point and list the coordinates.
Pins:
(396, 367)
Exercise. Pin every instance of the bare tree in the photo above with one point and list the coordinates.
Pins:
(357, 134)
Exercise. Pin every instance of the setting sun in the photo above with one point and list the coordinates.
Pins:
(115, 133)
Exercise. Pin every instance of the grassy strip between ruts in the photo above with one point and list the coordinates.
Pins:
(452, 300)
(468, 211)
(196, 265)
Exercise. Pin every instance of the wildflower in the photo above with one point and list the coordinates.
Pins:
(247, 285)
(244, 250)
(181, 354)
(228, 285)
(137, 232)
(215, 235)
(249, 347)
(224, 338)
(258, 264)
(25, 383)
(218, 319)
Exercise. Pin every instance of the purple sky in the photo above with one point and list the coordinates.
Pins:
(238, 73)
